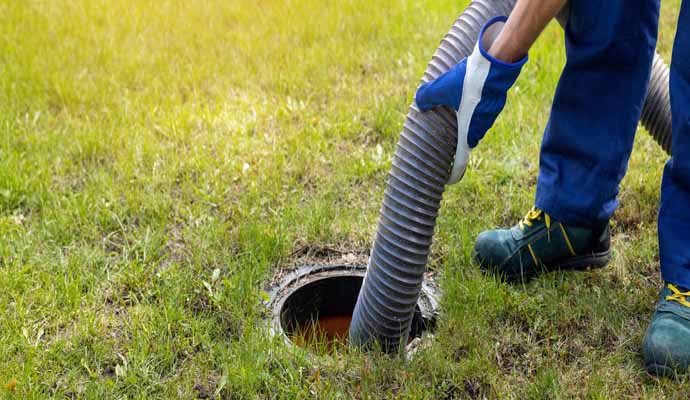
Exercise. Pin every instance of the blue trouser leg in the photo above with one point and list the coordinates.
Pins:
(587, 143)
(674, 212)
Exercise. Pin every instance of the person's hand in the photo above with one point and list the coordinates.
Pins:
(476, 89)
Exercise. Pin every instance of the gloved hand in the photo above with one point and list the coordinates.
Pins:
(476, 89)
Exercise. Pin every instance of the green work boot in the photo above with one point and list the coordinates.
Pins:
(539, 244)
(666, 346)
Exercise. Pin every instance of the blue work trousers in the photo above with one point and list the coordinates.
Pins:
(587, 143)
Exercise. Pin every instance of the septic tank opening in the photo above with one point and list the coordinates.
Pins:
(314, 306)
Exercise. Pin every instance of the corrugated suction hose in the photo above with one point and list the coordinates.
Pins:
(420, 170)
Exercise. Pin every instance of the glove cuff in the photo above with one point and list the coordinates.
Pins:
(486, 77)
(487, 36)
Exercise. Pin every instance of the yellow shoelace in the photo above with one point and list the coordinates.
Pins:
(678, 296)
(535, 215)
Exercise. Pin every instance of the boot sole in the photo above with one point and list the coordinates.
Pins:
(577, 263)
(661, 371)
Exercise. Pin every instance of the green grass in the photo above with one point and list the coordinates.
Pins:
(145, 145)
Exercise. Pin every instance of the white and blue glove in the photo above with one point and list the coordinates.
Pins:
(476, 89)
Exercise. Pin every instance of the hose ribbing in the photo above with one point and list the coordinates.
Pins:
(656, 112)
(421, 167)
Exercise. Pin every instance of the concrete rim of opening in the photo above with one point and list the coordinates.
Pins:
(283, 288)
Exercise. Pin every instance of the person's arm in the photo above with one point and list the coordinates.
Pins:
(525, 23)
(476, 88)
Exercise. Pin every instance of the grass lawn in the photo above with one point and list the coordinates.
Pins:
(161, 161)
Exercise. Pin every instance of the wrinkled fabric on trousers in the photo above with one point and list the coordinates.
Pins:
(598, 101)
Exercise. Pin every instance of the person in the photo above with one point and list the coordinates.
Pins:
(586, 146)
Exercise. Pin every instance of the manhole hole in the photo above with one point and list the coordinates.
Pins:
(313, 306)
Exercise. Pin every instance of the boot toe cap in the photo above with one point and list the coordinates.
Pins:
(490, 250)
(666, 346)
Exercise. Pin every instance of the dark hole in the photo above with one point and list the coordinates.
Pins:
(320, 312)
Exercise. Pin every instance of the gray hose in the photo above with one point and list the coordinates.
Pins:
(421, 167)
(656, 112)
